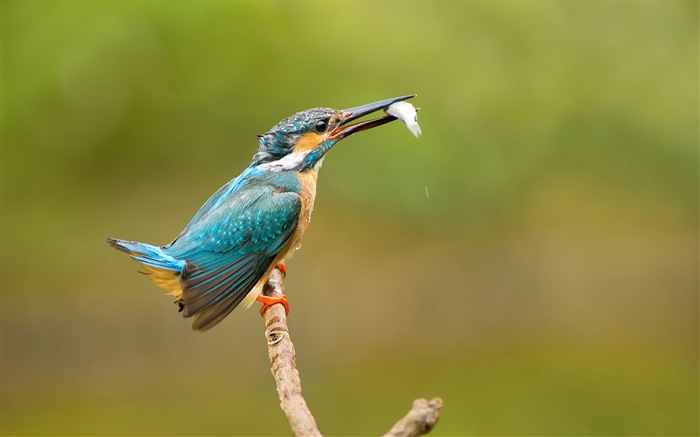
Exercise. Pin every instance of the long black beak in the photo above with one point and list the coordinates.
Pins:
(351, 114)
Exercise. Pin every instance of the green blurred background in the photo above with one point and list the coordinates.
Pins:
(533, 259)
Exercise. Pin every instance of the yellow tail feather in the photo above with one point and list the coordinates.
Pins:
(168, 280)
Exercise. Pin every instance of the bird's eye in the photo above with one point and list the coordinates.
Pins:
(321, 126)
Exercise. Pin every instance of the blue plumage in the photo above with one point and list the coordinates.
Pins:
(149, 255)
(225, 253)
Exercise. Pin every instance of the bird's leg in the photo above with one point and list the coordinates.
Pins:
(268, 301)
(278, 297)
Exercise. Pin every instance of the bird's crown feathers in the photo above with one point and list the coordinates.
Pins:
(281, 138)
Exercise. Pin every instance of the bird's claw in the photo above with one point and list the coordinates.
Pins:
(268, 301)
(282, 267)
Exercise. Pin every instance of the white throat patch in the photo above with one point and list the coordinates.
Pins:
(288, 162)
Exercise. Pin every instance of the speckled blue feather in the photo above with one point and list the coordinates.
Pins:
(234, 237)
(229, 244)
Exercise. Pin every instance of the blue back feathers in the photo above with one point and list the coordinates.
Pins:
(228, 245)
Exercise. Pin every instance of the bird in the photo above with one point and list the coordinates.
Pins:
(225, 254)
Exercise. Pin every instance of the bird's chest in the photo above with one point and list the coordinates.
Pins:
(307, 193)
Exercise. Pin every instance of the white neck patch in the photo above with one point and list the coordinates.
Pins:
(287, 162)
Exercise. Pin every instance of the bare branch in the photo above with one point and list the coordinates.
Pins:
(282, 363)
(420, 420)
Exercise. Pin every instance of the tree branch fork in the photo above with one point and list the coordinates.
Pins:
(418, 421)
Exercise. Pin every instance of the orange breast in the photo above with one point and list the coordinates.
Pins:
(308, 196)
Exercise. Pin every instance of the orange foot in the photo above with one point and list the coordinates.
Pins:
(268, 301)
(282, 268)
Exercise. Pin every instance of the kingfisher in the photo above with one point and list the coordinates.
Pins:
(255, 222)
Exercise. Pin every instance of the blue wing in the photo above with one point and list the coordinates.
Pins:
(229, 246)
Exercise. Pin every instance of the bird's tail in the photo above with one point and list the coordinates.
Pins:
(163, 268)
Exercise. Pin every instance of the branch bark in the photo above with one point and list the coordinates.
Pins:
(283, 365)
(419, 420)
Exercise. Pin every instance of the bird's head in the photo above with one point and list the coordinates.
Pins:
(300, 142)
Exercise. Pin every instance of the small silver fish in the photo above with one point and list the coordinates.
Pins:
(405, 112)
